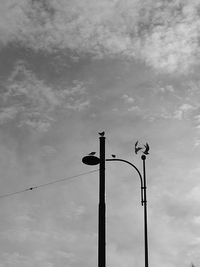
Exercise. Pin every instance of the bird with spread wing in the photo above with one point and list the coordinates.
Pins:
(146, 151)
(137, 148)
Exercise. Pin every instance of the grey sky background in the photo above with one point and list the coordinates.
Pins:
(69, 69)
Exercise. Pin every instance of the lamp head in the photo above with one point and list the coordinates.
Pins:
(90, 160)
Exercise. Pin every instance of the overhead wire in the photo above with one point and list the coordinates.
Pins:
(47, 184)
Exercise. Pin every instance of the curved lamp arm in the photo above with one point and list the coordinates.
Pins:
(141, 180)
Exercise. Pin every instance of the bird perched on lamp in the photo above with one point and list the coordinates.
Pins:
(137, 148)
(146, 151)
(92, 153)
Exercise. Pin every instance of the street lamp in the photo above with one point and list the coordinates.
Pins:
(93, 160)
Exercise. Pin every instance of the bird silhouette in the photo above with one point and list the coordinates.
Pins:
(146, 151)
(114, 156)
(102, 133)
(92, 153)
(137, 148)
(31, 188)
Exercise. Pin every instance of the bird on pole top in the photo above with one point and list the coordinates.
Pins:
(137, 148)
(102, 133)
(146, 151)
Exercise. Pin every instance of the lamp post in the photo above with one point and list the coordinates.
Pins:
(93, 160)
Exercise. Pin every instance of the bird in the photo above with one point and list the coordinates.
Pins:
(146, 151)
(102, 133)
(92, 153)
(137, 148)
(114, 156)
(31, 188)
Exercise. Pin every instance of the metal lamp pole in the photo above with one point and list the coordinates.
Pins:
(93, 160)
(143, 201)
(145, 213)
(102, 206)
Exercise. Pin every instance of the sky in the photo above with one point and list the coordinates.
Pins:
(71, 69)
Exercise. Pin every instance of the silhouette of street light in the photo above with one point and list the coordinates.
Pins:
(93, 160)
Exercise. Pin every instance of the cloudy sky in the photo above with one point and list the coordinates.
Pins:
(69, 69)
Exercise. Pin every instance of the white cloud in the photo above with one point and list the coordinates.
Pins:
(8, 113)
(167, 88)
(78, 105)
(186, 107)
(172, 49)
(196, 220)
(119, 258)
(197, 143)
(194, 194)
(135, 108)
(183, 111)
(163, 34)
(197, 118)
(128, 99)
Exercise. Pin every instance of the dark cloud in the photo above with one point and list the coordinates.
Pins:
(29, 101)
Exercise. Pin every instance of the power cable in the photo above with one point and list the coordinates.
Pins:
(47, 184)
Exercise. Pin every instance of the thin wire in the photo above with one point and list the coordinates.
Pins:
(47, 184)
